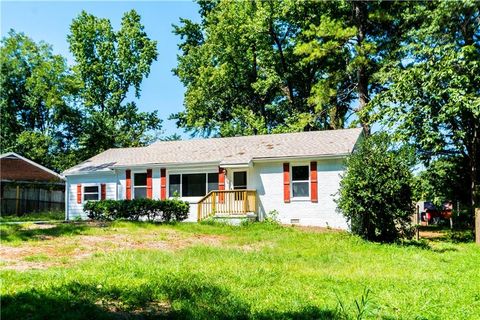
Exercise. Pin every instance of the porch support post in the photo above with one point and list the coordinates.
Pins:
(245, 201)
(17, 200)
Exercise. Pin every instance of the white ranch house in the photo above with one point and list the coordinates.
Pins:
(296, 174)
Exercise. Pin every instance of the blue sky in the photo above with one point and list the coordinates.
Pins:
(50, 22)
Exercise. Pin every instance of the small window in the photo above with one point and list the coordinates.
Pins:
(212, 182)
(300, 181)
(194, 185)
(139, 185)
(91, 193)
(174, 185)
(240, 180)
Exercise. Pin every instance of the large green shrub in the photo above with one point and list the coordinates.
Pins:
(375, 192)
(138, 209)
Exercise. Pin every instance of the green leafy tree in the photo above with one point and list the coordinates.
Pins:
(432, 96)
(375, 192)
(445, 178)
(241, 72)
(110, 64)
(351, 42)
(39, 116)
(172, 137)
(270, 66)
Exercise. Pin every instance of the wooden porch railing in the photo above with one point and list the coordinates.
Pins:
(227, 203)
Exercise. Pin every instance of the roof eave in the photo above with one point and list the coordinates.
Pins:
(305, 157)
(81, 173)
(166, 165)
(33, 163)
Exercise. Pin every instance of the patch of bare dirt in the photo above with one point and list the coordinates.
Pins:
(80, 247)
(255, 247)
(432, 234)
(154, 308)
(41, 226)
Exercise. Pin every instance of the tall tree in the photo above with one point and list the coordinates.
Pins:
(241, 72)
(266, 66)
(360, 36)
(111, 64)
(432, 96)
(39, 117)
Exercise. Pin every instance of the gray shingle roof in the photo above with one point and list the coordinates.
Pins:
(226, 151)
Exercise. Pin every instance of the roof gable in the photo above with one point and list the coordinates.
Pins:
(17, 168)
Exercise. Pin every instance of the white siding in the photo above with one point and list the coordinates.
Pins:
(74, 209)
(156, 183)
(121, 184)
(268, 180)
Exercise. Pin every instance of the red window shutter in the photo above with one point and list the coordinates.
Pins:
(221, 179)
(163, 183)
(103, 191)
(313, 182)
(286, 182)
(128, 177)
(149, 183)
(79, 193)
(221, 183)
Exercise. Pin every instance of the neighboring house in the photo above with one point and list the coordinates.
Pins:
(27, 186)
(296, 174)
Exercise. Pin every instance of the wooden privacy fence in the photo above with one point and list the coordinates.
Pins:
(227, 203)
(21, 199)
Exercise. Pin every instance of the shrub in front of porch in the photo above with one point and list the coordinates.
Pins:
(137, 209)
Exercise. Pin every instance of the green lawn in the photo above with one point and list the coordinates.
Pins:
(36, 216)
(187, 271)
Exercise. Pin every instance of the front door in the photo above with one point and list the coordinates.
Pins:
(239, 183)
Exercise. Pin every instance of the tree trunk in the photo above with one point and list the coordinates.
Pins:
(474, 162)
(360, 11)
(477, 226)
(468, 32)
(283, 62)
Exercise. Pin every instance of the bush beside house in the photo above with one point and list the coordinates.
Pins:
(138, 209)
(376, 191)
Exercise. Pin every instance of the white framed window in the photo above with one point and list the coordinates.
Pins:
(91, 193)
(139, 185)
(300, 182)
(212, 181)
(192, 184)
(174, 185)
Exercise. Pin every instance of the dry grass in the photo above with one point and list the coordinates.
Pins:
(46, 250)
